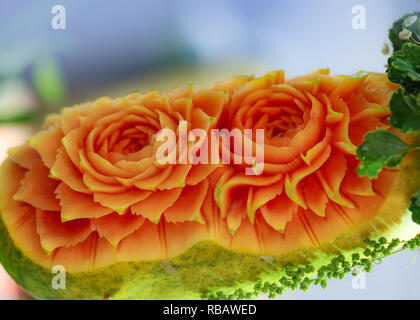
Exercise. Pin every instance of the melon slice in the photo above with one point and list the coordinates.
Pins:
(87, 192)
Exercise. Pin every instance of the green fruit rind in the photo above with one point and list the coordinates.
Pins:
(196, 273)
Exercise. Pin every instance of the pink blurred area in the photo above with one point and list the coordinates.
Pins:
(10, 136)
(9, 290)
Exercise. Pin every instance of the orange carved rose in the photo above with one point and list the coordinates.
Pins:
(92, 171)
(312, 126)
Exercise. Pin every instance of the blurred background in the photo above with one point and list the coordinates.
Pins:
(117, 47)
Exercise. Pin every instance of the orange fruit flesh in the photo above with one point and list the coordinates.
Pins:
(310, 198)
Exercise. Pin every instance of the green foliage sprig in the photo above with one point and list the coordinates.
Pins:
(404, 27)
(382, 148)
(405, 110)
(303, 276)
(404, 67)
(415, 207)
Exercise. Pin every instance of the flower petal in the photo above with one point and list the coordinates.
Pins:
(153, 206)
(64, 170)
(24, 155)
(96, 185)
(331, 175)
(261, 195)
(75, 205)
(54, 233)
(37, 189)
(176, 178)
(119, 202)
(279, 211)
(47, 142)
(315, 198)
(292, 180)
(188, 206)
(115, 227)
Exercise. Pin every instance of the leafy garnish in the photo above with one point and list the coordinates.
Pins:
(415, 207)
(303, 276)
(404, 67)
(404, 24)
(384, 149)
(405, 110)
(380, 148)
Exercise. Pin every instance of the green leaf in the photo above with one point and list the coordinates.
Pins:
(404, 66)
(398, 26)
(380, 148)
(405, 110)
(415, 207)
(48, 81)
(27, 116)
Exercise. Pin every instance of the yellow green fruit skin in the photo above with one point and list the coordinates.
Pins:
(207, 267)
